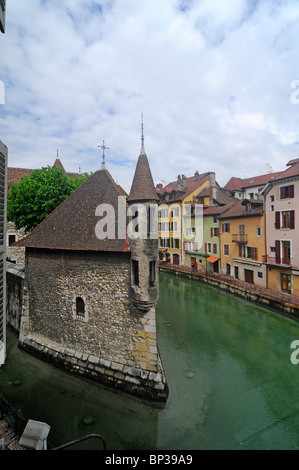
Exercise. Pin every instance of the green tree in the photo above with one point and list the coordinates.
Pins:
(37, 195)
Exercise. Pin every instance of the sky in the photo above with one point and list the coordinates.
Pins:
(217, 83)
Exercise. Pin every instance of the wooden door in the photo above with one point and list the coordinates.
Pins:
(248, 276)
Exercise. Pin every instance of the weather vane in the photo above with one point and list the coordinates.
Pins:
(103, 147)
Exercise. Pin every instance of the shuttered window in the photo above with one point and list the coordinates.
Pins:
(277, 251)
(277, 220)
(287, 192)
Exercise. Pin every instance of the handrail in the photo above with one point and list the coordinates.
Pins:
(81, 439)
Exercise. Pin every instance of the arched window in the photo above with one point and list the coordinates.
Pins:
(80, 307)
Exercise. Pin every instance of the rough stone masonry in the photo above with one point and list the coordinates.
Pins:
(113, 343)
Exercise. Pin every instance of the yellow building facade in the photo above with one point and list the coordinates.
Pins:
(176, 200)
(243, 242)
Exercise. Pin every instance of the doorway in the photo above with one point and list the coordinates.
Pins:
(248, 276)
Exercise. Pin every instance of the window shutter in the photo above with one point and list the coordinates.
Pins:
(254, 253)
(277, 218)
(214, 248)
(217, 232)
(282, 193)
(240, 251)
(292, 219)
(206, 247)
(277, 251)
(212, 232)
(292, 190)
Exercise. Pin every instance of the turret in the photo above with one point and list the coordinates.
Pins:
(143, 235)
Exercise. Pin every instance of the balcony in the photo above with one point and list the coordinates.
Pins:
(281, 262)
(240, 238)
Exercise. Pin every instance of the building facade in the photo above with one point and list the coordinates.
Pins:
(242, 236)
(281, 204)
(176, 200)
(249, 188)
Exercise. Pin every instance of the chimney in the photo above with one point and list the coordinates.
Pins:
(196, 176)
(184, 182)
(212, 179)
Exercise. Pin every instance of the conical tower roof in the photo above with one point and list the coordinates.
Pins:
(143, 188)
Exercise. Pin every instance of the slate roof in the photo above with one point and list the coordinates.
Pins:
(14, 175)
(219, 195)
(238, 184)
(191, 183)
(71, 226)
(217, 210)
(143, 188)
(293, 170)
(240, 209)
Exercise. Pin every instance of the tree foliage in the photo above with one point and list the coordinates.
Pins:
(37, 195)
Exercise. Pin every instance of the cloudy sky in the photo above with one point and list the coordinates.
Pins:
(213, 79)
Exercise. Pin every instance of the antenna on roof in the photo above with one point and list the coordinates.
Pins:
(103, 147)
(270, 169)
(142, 151)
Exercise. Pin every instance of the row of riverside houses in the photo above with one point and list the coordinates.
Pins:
(246, 230)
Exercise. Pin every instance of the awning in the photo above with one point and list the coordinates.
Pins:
(211, 259)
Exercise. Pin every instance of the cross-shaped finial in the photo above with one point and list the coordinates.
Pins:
(103, 147)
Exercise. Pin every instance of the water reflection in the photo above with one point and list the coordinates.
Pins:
(227, 361)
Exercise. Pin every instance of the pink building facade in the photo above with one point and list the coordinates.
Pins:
(282, 230)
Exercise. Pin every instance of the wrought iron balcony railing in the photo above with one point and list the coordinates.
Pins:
(240, 238)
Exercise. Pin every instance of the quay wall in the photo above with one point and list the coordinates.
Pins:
(250, 292)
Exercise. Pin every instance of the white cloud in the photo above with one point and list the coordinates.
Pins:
(212, 78)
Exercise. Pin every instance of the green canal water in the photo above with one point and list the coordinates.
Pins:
(227, 361)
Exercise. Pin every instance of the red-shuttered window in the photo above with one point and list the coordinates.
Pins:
(287, 192)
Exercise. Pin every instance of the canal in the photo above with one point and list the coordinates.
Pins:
(227, 361)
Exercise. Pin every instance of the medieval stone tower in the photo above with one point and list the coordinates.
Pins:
(143, 236)
(89, 301)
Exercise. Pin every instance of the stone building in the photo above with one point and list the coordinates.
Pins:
(89, 301)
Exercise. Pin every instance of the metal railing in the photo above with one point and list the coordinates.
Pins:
(239, 237)
(12, 416)
(81, 439)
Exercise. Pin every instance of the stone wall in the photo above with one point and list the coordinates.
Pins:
(14, 294)
(15, 254)
(112, 342)
(280, 305)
